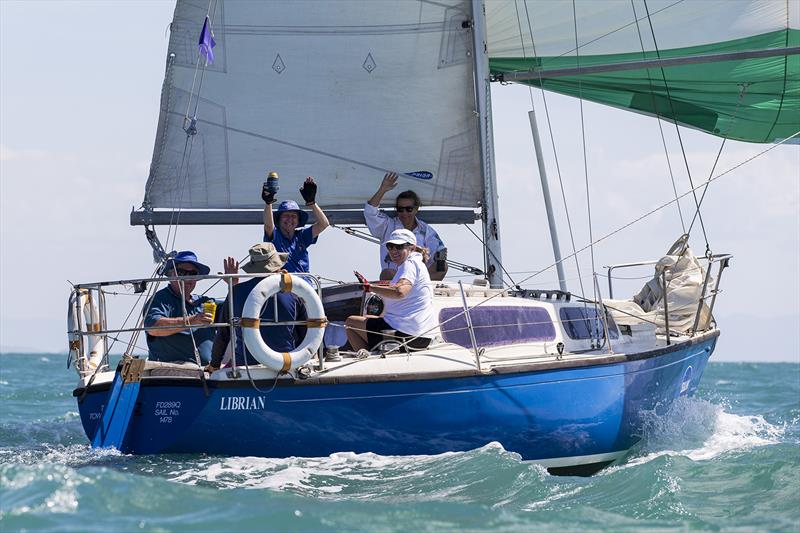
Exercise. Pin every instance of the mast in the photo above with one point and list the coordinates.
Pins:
(491, 222)
(548, 203)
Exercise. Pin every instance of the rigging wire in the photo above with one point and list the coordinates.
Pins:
(191, 131)
(513, 283)
(677, 129)
(634, 221)
(555, 152)
(742, 91)
(668, 203)
(585, 160)
(658, 119)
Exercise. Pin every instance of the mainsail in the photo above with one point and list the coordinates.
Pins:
(338, 90)
(736, 72)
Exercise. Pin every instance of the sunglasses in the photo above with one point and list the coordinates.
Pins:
(406, 208)
(184, 272)
(393, 246)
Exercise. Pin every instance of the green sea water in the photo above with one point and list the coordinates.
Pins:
(727, 459)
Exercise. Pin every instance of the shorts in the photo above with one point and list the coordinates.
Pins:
(375, 327)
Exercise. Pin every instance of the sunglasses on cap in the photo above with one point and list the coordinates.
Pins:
(406, 208)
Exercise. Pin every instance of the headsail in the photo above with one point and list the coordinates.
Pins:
(338, 90)
(748, 97)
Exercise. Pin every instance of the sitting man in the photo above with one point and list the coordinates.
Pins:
(288, 239)
(175, 306)
(264, 258)
(381, 226)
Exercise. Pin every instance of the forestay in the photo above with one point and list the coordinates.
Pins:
(337, 90)
(753, 99)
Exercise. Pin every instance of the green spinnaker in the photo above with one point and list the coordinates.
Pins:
(754, 100)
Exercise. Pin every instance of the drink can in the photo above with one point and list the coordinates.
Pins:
(272, 182)
(210, 307)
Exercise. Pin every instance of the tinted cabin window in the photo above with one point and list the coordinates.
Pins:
(584, 323)
(496, 325)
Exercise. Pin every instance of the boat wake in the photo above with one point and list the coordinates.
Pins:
(700, 430)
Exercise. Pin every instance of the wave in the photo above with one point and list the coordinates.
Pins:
(700, 431)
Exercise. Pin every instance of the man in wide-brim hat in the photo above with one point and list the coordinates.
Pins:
(264, 259)
(174, 338)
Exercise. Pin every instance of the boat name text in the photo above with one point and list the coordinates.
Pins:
(242, 403)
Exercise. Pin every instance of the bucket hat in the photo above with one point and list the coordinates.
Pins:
(264, 259)
(287, 206)
(185, 256)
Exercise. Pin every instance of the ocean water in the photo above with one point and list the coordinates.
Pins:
(727, 459)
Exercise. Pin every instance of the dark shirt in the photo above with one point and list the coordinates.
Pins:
(177, 347)
(283, 338)
(296, 247)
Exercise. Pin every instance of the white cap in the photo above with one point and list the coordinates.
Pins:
(401, 236)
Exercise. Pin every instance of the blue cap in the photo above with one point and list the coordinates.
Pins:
(287, 206)
(186, 256)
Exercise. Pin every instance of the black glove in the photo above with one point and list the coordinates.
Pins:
(309, 191)
(267, 195)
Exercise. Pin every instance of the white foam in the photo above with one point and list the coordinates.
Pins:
(700, 430)
(305, 474)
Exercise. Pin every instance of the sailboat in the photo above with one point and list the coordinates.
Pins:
(350, 89)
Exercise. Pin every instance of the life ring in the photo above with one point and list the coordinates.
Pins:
(87, 351)
(251, 322)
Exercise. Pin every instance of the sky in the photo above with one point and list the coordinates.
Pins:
(79, 93)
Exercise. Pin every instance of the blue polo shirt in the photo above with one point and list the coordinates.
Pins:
(296, 247)
(282, 338)
(177, 347)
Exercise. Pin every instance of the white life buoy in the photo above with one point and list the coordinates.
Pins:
(251, 322)
(86, 351)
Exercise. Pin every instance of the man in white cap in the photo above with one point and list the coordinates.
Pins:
(264, 258)
(407, 300)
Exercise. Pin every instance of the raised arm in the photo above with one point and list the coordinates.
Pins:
(389, 182)
(269, 198)
(309, 193)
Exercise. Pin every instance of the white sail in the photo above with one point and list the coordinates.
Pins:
(338, 90)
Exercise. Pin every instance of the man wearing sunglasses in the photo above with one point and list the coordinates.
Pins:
(407, 206)
(176, 342)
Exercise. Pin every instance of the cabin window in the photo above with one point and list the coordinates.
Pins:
(584, 323)
(496, 325)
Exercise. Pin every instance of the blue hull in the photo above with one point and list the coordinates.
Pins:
(557, 413)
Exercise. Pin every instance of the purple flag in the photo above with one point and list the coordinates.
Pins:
(207, 42)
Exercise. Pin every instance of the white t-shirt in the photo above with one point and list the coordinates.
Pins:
(413, 314)
(382, 225)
